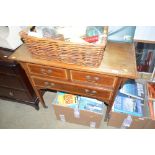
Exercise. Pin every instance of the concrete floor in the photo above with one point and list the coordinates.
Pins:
(20, 116)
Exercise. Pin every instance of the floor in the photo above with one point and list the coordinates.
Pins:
(20, 116)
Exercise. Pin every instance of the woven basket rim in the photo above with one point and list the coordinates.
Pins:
(24, 34)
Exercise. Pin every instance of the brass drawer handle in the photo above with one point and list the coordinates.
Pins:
(11, 93)
(52, 84)
(92, 79)
(87, 91)
(48, 84)
(43, 71)
(93, 92)
(49, 71)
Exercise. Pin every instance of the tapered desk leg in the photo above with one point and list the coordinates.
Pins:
(107, 113)
(40, 96)
(120, 83)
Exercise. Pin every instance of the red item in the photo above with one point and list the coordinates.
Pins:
(151, 90)
(145, 67)
(91, 39)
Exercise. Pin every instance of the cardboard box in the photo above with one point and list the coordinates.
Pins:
(76, 112)
(82, 117)
(121, 120)
(150, 124)
(144, 75)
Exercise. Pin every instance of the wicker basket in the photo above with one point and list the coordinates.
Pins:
(67, 52)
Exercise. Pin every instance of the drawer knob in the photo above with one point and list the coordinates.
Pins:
(11, 93)
(52, 84)
(43, 71)
(88, 77)
(87, 91)
(49, 85)
(96, 78)
(49, 71)
(46, 83)
(92, 79)
(94, 92)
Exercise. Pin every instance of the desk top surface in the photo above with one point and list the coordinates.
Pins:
(119, 60)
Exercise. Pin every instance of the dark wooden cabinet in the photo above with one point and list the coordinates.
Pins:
(14, 84)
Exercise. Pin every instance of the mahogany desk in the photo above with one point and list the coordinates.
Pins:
(119, 64)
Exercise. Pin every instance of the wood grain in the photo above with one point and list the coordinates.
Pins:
(119, 60)
(102, 83)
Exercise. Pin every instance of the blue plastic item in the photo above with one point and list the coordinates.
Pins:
(121, 33)
(94, 31)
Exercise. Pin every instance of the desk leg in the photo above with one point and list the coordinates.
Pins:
(120, 83)
(107, 113)
(40, 96)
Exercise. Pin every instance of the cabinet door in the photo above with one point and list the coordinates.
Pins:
(11, 81)
(14, 94)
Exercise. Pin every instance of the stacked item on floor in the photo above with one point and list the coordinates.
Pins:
(145, 58)
(129, 109)
(151, 99)
(77, 109)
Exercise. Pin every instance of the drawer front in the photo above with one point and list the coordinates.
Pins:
(10, 81)
(47, 71)
(93, 78)
(91, 92)
(69, 87)
(7, 70)
(51, 84)
(14, 94)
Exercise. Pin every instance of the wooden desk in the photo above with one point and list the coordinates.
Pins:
(102, 83)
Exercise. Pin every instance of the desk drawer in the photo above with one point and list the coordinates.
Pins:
(95, 92)
(14, 94)
(10, 81)
(47, 71)
(7, 70)
(98, 79)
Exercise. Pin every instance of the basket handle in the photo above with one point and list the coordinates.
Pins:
(105, 31)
